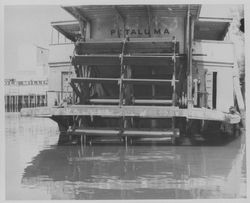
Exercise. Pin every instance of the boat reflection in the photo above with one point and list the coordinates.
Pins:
(139, 172)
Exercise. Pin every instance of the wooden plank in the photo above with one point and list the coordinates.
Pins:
(135, 101)
(132, 111)
(104, 101)
(163, 133)
(130, 132)
(97, 59)
(125, 80)
(96, 11)
(103, 110)
(115, 60)
(95, 80)
(151, 47)
(146, 60)
(152, 101)
(147, 81)
(132, 47)
(108, 132)
(99, 47)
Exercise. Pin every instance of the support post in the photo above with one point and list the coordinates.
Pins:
(174, 72)
(81, 140)
(122, 18)
(8, 103)
(126, 141)
(148, 8)
(190, 32)
(14, 100)
(85, 140)
(11, 109)
(22, 101)
(5, 102)
(17, 103)
(121, 90)
(11, 101)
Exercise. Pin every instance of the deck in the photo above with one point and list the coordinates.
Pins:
(132, 111)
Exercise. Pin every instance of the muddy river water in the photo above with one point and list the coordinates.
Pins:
(38, 168)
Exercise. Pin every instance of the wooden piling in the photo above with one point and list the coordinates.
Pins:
(85, 140)
(126, 141)
(16, 103)
(81, 140)
(11, 104)
(35, 100)
(5, 102)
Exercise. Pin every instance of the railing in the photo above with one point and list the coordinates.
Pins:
(55, 98)
(14, 103)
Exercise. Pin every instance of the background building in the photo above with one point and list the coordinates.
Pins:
(29, 85)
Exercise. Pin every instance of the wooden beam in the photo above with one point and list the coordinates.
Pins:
(76, 90)
(120, 15)
(139, 60)
(97, 59)
(147, 60)
(190, 65)
(149, 17)
(147, 81)
(118, 12)
(81, 15)
(174, 96)
(130, 132)
(94, 80)
(145, 46)
(135, 101)
(125, 80)
(84, 21)
(187, 46)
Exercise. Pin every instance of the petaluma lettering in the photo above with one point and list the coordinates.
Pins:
(146, 31)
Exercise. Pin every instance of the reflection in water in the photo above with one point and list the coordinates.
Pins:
(136, 172)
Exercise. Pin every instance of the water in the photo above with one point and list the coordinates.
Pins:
(37, 168)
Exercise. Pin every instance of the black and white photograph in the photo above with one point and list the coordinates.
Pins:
(124, 101)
